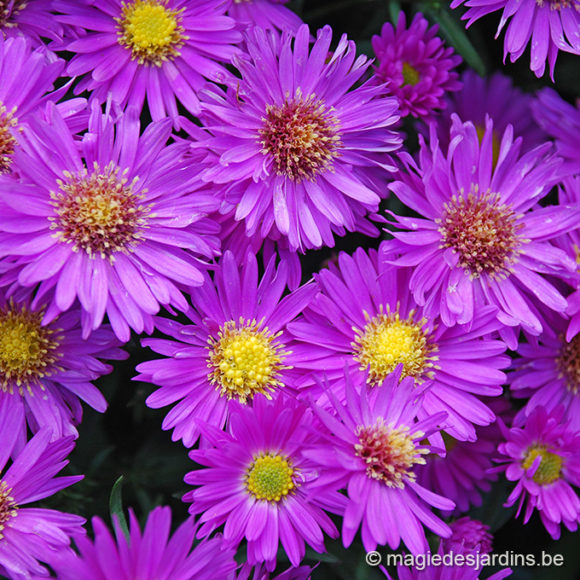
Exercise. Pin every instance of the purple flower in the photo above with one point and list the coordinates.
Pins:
(235, 348)
(155, 49)
(543, 458)
(32, 535)
(115, 220)
(47, 369)
(299, 149)
(29, 18)
(364, 319)
(375, 447)
(551, 25)
(259, 485)
(481, 238)
(468, 536)
(416, 65)
(265, 14)
(151, 554)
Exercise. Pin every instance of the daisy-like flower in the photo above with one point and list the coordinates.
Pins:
(265, 14)
(464, 473)
(416, 65)
(298, 146)
(547, 25)
(235, 349)
(543, 458)
(150, 554)
(154, 49)
(29, 18)
(256, 482)
(30, 535)
(375, 448)
(48, 369)
(365, 319)
(494, 96)
(116, 220)
(481, 238)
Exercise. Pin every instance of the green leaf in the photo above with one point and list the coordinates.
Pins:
(116, 506)
(394, 11)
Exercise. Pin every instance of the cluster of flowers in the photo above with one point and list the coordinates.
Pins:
(373, 392)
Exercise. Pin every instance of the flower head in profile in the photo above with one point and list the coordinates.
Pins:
(265, 14)
(299, 145)
(151, 554)
(481, 238)
(235, 349)
(256, 481)
(543, 458)
(116, 220)
(158, 50)
(365, 320)
(47, 369)
(373, 451)
(416, 65)
(548, 26)
(30, 536)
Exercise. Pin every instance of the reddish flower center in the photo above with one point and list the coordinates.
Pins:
(301, 137)
(98, 212)
(28, 350)
(483, 231)
(558, 4)
(389, 453)
(151, 31)
(550, 464)
(569, 364)
(8, 507)
(270, 477)
(9, 9)
(8, 123)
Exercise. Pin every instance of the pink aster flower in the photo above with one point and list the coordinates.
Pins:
(46, 369)
(116, 220)
(547, 25)
(543, 458)
(151, 554)
(463, 474)
(256, 481)
(30, 535)
(29, 18)
(416, 65)
(365, 320)
(299, 148)
(161, 50)
(375, 447)
(265, 14)
(481, 238)
(235, 348)
(468, 536)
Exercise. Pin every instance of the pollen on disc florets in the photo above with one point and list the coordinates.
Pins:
(245, 360)
(569, 364)
(8, 10)
(483, 231)
(151, 31)
(98, 212)
(389, 453)
(559, 4)
(28, 350)
(550, 465)
(8, 124)
(270, 477)
(387, 341)
(8, 507)
(301, 136)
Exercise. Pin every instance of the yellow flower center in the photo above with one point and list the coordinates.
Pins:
(28, 350)
(387, 341)
(245, 360)
(301, 137)
(483, 231)
(410, 75)
(151, 31)
(8, 10)
(569, 364)
(8, 124)
(550, 466)
(495, 143)
(269, 477)
(8, 507)
(389, 453)
(98, 212)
